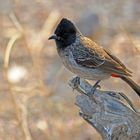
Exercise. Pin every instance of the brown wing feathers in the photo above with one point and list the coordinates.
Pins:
(97, 57)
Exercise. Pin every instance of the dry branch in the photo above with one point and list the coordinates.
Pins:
(110, 113)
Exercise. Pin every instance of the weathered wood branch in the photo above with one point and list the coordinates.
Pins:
(110, 113)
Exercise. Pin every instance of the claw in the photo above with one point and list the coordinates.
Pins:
(85, 116)
(75, 82)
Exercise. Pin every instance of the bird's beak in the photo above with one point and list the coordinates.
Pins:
(53, 37)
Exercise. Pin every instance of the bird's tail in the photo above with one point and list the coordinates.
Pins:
(132, 84)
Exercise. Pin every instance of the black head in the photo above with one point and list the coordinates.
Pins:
(65, 33)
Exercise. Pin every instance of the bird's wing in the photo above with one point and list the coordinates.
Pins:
(90, 55)
(87, 58)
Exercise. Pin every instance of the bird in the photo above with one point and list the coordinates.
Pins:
(87, 59)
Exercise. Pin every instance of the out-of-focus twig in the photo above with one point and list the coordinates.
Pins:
(20, 118)
(49, 23)
(9, 48)
(16, 22)
(24, 114)
(34, 43)
(37, 42)
(130, 39)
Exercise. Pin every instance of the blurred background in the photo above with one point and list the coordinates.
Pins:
(36, 102)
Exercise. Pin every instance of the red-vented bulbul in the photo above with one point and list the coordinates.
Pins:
(87, 59)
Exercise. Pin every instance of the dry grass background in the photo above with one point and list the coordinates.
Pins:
(36, 102)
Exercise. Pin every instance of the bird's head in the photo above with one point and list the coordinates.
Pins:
(65, 33)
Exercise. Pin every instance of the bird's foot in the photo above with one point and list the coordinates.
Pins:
(87, 117)
(76, 82)
(94, 88)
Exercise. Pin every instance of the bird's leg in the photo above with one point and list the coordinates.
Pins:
(95, 86)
